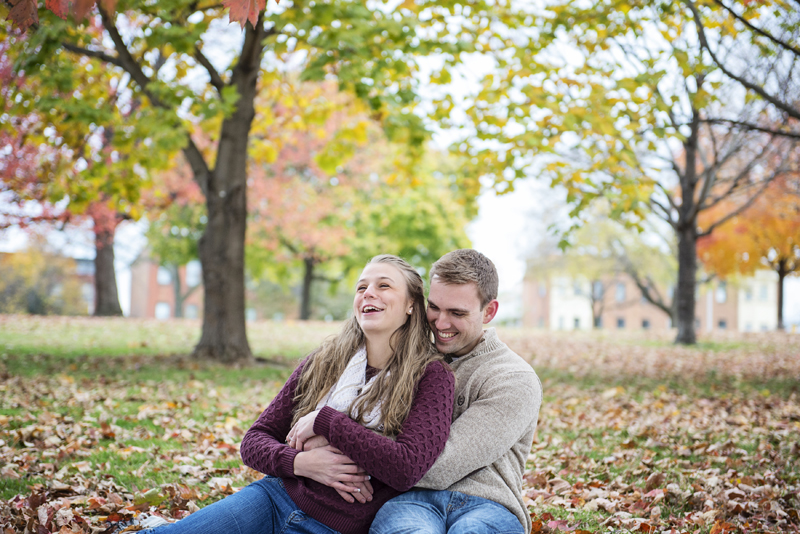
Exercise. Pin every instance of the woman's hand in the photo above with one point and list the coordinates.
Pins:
(327, 465)
(302, 431)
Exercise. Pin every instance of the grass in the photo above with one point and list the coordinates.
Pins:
(118, 406)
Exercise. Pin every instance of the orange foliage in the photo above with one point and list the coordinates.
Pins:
(765, 234)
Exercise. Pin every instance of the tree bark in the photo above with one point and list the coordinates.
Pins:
(224, 336)
(106, 298)
(686, 229)
(782, 272)
(305, 298)
(687, 282)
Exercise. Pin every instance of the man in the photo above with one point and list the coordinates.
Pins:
(475, 485)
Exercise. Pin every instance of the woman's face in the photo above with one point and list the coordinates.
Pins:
(381, 304)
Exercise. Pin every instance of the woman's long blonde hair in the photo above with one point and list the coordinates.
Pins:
(395, 385)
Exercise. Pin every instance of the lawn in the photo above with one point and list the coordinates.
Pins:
(101, 419)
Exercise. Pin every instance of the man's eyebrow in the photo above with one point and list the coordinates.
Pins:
(462, 310)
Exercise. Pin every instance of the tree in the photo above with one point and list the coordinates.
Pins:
(74, 164)
(625, 106)
(765, 235)
(370, 49)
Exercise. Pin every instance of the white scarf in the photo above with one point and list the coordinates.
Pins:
(349, 386)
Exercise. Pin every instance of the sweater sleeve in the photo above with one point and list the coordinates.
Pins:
(263, 447)
(488, 428)
(398, 463)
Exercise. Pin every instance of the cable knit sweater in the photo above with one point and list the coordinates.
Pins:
(395, 465)
(498, 396)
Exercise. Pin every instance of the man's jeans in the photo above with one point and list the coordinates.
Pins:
(437, 512)
(263, 507)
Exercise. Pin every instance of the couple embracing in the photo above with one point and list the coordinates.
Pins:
(381, 431)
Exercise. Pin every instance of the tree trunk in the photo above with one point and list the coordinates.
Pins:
(224, 337)
(687, 282)
(687, 240)
(106, 298)
(176, 287)
(782, 272)
(305, 298)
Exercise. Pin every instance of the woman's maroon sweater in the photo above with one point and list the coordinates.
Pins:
(395, 465)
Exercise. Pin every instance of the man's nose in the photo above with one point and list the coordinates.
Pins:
(442, 322)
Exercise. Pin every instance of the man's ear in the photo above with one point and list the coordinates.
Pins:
(490, 311)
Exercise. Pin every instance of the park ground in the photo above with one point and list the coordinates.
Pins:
(102, 419)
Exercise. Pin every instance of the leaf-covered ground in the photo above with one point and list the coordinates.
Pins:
(101, 420)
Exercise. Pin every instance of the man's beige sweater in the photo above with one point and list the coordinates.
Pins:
(497, 400)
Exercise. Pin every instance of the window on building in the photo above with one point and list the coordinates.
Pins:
(721, 294)
(250, 314)
(748, 327)
(163, 310)
(598, 322)
(697, 323)
(542, 289)
(748, 294)
(722, 324)
(561, 323)
(597, 290)
(577, 323)
(163, 276)
(646, 324)
(619, 293)
(190, 311)
(576, 289)
(194, 274)
(762, 293)
(764, 328)
(620, 322)
(541, 322)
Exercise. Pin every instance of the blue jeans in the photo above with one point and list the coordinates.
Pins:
(263, 507)
(440, 512)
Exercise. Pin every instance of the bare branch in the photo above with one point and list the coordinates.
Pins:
(92, 53)
(760, 91)
(753, 127)
(783, 44)
(735, 212)
(216, 79)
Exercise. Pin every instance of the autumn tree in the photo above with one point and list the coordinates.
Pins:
(371, 49)
(766, 235)
(73, 163)
(624, 105)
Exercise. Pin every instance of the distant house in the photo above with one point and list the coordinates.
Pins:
(563, 302)
(155, 290)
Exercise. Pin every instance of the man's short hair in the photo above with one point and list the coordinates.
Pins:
(464, 266)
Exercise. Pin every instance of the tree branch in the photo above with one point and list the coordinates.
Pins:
(753, 127)
(216, 79)
(92, 53)
(760, 91)
(735, 212)
(785, 45)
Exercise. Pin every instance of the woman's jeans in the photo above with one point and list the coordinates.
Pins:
(263, 507)
(437, 512)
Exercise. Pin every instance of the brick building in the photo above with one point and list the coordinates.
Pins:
(155, 289)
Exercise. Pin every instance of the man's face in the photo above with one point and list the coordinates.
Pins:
(456, 316)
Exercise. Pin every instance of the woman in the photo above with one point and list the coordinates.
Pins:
(380, 396)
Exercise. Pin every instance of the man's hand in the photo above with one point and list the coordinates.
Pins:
(302, 431)
(327, 465)
(315, 442)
